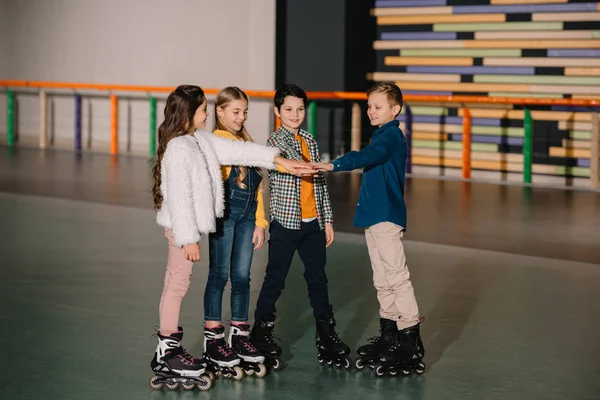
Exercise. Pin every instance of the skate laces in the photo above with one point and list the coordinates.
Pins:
(223, 348)
(249, 346)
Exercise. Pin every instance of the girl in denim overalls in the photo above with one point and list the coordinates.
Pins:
(239, 233)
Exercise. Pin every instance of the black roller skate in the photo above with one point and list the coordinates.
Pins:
(174, 367)
(262, 338)
(220, 359)
(330, 349)
(251, 359)
(370, 354)
(404, 356)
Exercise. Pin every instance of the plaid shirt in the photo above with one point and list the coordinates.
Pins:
(285, 204)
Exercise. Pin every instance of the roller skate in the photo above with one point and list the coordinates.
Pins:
(220, 359)
(174, 367)
(404, 356)
(369, 354)
(262, 338)
(330, 349)
(251, 360)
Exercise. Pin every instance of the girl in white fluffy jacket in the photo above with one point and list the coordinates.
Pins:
(188, 197)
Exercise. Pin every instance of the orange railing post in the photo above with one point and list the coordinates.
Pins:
(114, 124)
(466, 144)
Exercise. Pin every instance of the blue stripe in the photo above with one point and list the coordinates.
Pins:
(418, 35)
(524, 9)
(432, 119)
(408, 3)
(575, 109)
(573, 53)
(472, 70)
(427, 92)
(583, 162)
(511, 141)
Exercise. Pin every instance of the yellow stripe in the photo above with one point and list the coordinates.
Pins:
(446, 61)
(581, 16)
(582, 71)
(520, 114)
(417, 44)
(534, 35)
(435, 19)
(430, 136)
(400, 11)
(393, 76)
(573, 153)
(475, 155)
(541, 62)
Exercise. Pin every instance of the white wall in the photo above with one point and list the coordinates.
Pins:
(211, 43)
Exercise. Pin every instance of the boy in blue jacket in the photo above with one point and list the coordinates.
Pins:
(381, 210)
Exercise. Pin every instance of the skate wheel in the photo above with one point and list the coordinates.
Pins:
(210, 375)
(238, 373)
(405, 372)
(347, 364)
(249, 372)
(359, 364)
(330, 362)
(172, 385)
(188, 385)
(420, 368)
(392, 372)
(155, 383)
(205, 384)
(379, 371)
(320, 359)
(277, 364)
(262, 371)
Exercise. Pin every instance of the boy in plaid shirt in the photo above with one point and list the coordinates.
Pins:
(301, 220)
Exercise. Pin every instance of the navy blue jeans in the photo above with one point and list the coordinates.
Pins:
(231, 251)
(283, 243)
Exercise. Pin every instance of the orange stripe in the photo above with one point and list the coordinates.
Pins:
(446, 61)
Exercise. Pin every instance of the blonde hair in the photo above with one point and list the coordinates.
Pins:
(226, 96)
(393, 92)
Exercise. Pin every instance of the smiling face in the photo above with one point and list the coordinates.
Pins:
(201, 116)
(291, 113)
(233, 115)
(379, 110)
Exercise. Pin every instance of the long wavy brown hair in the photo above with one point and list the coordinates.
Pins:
(226, 96)
(181, 106)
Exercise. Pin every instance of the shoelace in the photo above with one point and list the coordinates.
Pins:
(249, 346)
(224, 348)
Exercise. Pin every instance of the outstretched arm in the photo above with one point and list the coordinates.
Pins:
(374, 154)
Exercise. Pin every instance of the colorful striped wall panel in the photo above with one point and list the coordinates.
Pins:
(500, 48)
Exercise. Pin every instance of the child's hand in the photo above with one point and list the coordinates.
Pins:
(329, 235)
(294, 167)
(192, 252)
(258, 238)
(322, 166)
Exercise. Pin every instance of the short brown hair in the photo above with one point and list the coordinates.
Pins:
(392, 90)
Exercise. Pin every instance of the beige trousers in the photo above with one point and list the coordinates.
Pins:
(390, 274)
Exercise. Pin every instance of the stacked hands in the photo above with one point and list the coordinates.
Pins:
(294, 167)
(302, 168)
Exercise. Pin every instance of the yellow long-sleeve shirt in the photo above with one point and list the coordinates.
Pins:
(261, 221)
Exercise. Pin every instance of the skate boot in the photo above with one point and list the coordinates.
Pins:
(404, 356)
(330, 349)
(262, 338)
(369, 354)
(251, 360)
(173, 366)
(219, 357)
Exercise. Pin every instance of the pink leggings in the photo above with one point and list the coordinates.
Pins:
(177, 282)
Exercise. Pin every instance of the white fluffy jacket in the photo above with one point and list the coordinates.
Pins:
(192, 185)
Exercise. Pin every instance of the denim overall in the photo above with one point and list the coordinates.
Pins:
(231, 248)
